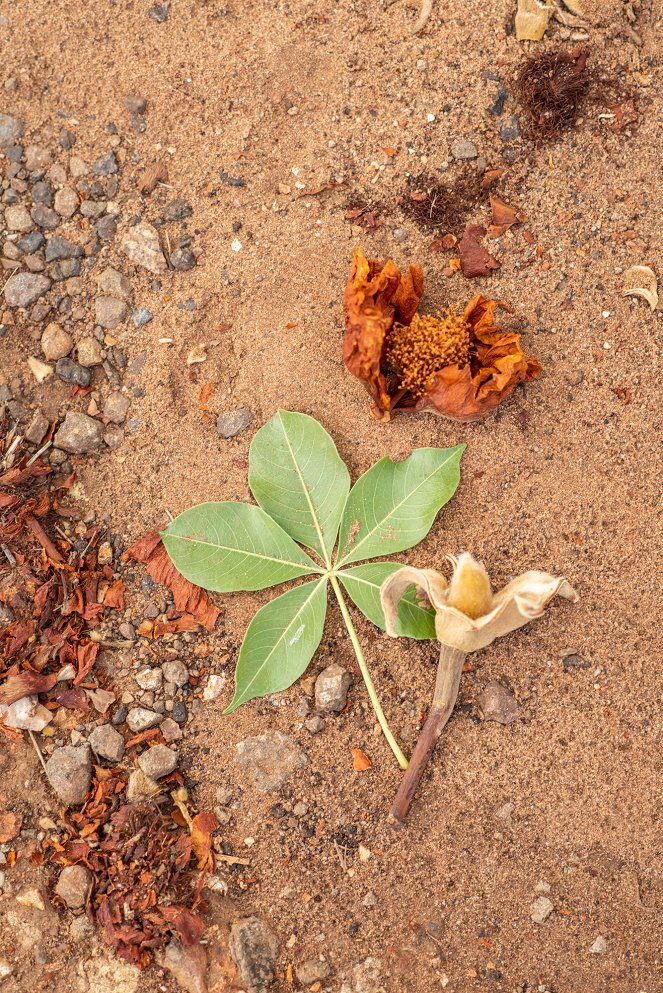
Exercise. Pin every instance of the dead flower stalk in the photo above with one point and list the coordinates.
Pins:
(468, 617)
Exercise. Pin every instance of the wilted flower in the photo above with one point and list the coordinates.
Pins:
(457, 365)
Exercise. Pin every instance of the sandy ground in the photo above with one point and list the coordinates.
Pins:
(565, 477)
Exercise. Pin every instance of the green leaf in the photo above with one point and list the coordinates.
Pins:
(233, 546)
(393, 505)
(363, 584)
(299, 479)
(279, 642)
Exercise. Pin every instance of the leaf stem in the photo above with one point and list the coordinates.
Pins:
(402, 761)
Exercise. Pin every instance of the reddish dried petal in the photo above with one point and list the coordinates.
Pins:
(475, 260)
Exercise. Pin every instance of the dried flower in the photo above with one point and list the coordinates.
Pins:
(457, 365)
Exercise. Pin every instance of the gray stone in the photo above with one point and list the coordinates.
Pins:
(37, 158)
(11, 251)
(498, 704)
(139, 123)
(510, 129)
(31, 242)
(25, 288)
(541, 909)
(106, 227)
(149, 679)
(78, 433)
(91, 208)
(141, 786)
(107, 742)
(182, 259)
(135, 104)
(141, 245)
(497, 106)
(187, 964)
(463, 149)
(116, 409)
(18, 219)
(270, 759)
(140, 719)
(114, 284)
(66, 202)
(159, 12)
(232, 422)
(312, 971)
(72, 372)
(331, 688)
(141, 316)
(254, 948)
(44, 217)
(176, 672)
(158, 761)
(177, 210)
(11, 130)
(314, 723)
(62, 248)
(599, 947)
(69, 772)
(109, 312)
(73, 886)
(179, 712)
(170, 730)
(89, 352)
(105, 165)
(42, 193)
(37, 428)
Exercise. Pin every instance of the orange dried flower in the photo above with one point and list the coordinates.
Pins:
(460, 366)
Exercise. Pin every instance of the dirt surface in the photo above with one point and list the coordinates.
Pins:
(566, 801)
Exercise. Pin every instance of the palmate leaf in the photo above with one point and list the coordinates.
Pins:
(233, 546)
(393, 505)
(279, 642)
(363, 583)
(299, 479)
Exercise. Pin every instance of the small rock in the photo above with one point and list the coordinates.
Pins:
(158, 761)
(116, 407)
(463, 149)
(89, 352)
(182, 259)
(141, 245)
(139, 123)
(69, 772)
(177, 210)
(170, 730)
(72, 372)
(31, 897)
(331, 688)
(135, 104)
(106, 973)
(37, 428)
(105, 165)
(254, 947)
(541, 909)
(114, 284)
(312, 971)
(11, 130)
(159, 12)
(188, 965)
(109, 312)
(599, 947)
(366, 976)
(73, 886)
(44, 217)
(6, 969)
(179, 712)
(510, 129)
(37, 158)
(78, 433)
(24, 288)
(30, 243)
(18, 219)
(81, 929)
(141, 316)
(62, 248)
(55, 342)
(176, 672)
(370, 900)
(214, 687)
(149, 679)
(26, 714)
(40, 370)
(231, 423)
(314, 724)
(574, 660)
(106, 227)
(141, 786)
(498, 704)
(107, 742)
(42, 193)
(77, 167)
(140, 719)
(271, 759)
(66, 202)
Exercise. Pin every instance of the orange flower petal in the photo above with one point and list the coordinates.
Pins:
(360, 760)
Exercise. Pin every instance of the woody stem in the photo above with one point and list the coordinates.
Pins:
(447, 682)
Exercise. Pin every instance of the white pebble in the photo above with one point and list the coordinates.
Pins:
(236, 245)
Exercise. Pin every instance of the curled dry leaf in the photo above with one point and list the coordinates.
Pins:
(458, 365)
(641, 281)
(360, 760)
(532, 19)
(475, 260)
(503, 218)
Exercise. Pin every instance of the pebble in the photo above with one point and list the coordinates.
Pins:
(89, 352)
(314, 724)
(370, 900)
(77, 167)
(177, 210)
(139, 719)
(37, 158)
(510, 129)
(73, 886)
(187, 964)
(497, 106)
(498, 704)
(312, 971)
(116, 408)
(44, 217)
(62, 248)
(18, 219)
(331, 688)
(149, 679)
(120, 714)
(31, 242)
(270, 759)
(159, 12)
(214, 687)
(69, 772)
(182, 259)
(179, 712)
(599, 947)
(254, 948)
(135, 104)
(141, 316)
(105, 165)
(42, 193)
(66, 202)
(37, 428)
(158, 761)
(176, 672)
(114, 284)
(141, 786)
(78, 433)
(463, 149)
(25, 288)
(232, 422)
(107, 742)
(72, 372)
(141, 245)
(541, 909)
(109, 312)
(11, 129)
(106, 228)
(170, 730)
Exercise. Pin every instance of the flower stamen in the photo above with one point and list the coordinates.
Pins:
(417, 351)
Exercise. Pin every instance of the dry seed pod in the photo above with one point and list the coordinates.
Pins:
(640, 281)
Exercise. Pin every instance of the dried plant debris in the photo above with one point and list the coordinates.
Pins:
(532, 19)
(475, 260)
(551, 87)
(443, 207)
(640, 281)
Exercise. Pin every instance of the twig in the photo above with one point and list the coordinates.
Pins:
(321, 189)
(8, 555)
(424, 14)
(43, 539)
(41, 451)
(38, 751)
(341, 857)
